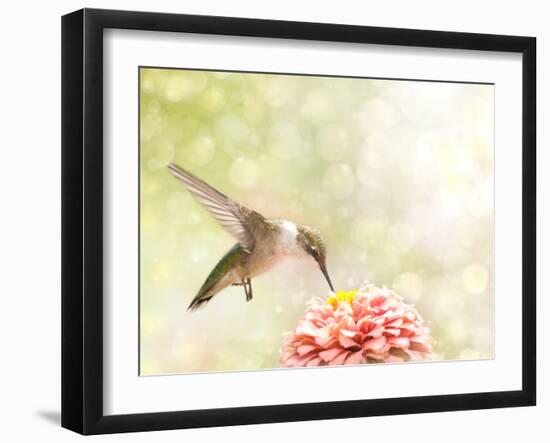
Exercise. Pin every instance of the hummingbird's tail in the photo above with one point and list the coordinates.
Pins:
(199, 301)
(219, 278)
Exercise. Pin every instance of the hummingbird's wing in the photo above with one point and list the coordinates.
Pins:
(238, 220)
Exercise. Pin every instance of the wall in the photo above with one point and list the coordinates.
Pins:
(30, 220)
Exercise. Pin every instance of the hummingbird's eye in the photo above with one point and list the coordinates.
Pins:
(315, 253)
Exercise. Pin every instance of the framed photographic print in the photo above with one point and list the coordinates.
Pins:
(269, 221)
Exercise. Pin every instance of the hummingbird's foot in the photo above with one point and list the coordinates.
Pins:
(248, 289)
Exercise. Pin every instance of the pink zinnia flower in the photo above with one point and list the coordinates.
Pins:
(371, 325)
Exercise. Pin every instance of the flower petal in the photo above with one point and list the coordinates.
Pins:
(355, 358)
(375, 344)
(304, 349)
(314, 362)
(330, 354)
(339, 359)
(347, 342)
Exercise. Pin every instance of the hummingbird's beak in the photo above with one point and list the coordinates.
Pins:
(325, 273)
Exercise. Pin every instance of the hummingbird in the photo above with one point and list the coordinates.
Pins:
(261, 243)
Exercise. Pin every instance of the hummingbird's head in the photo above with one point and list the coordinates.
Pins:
(312, 242)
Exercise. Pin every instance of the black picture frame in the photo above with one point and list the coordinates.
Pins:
(82, 220)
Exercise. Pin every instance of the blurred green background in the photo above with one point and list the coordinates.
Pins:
(398, 175)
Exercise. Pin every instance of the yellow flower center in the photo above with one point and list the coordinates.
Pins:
(341, 297)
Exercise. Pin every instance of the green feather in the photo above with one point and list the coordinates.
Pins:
(223, 267)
